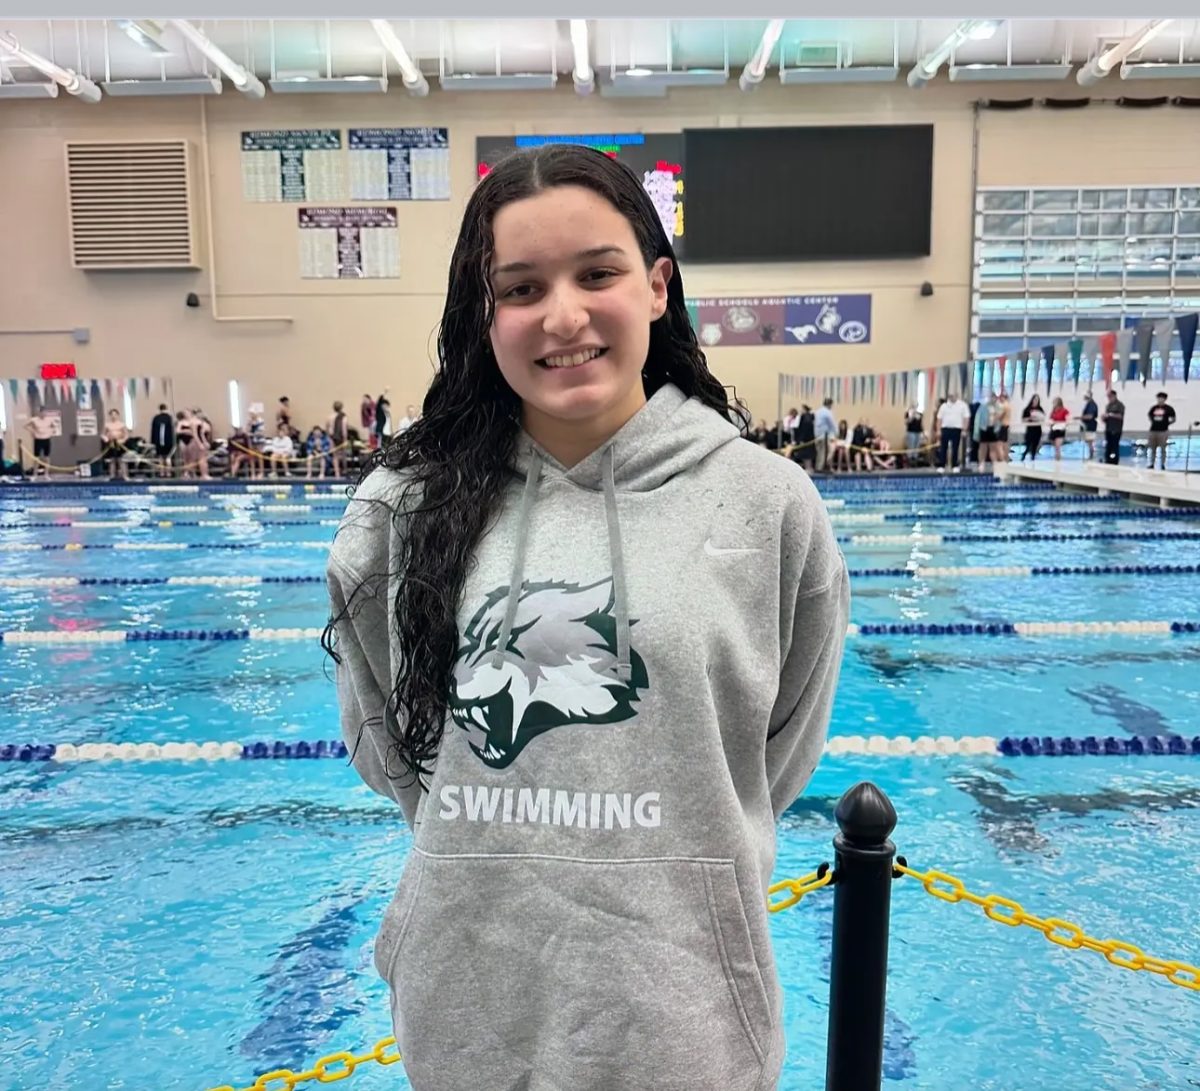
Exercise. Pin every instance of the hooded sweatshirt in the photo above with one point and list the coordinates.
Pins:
(649, 647)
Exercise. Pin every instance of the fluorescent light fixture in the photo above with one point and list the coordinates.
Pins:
(414, 81)
(235, 404)
(245, 81)
(927, 66)
(583, 75)
(147, 33)
(756, 67)
(328, 84)
(1148, 70)
(28, 90)
(517, 81)
(71, 82)
(128, 406)
(984, 73)
(195, 85)
(846, 74)
(1100, 66)
(682, 77)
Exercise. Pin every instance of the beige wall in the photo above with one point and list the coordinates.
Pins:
(349, 338)
(1099, 146)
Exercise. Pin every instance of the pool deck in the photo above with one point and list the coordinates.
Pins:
(1167, 487)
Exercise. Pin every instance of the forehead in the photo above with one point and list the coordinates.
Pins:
(558, 224)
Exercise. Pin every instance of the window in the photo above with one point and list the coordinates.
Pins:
(1003, 227)
(1055, 198)
(998, 200)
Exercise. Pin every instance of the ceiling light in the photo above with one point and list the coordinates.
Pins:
(195, 85)
(245, 81)
(1100, 66)
(582, 73)
(71, 82)
(410, 72)
(315, 85)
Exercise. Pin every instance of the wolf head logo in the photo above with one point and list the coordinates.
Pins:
(559, 668)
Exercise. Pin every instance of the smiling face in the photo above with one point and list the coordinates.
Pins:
(573, 306)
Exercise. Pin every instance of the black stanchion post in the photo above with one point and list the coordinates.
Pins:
(858, 971)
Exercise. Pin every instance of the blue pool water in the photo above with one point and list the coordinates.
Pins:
(186, 925)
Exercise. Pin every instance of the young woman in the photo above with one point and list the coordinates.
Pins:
(548, 606)
(1033, 418)
(1059, 415)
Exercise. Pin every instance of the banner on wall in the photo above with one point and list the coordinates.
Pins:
(293, 165)
(399, 164)
(349, 243)
(782, 320)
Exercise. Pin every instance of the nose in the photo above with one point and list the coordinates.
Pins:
(565, 314)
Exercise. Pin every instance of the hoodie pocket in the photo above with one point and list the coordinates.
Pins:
(632, 975)
(397, 917)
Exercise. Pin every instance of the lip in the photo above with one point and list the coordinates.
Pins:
(601, 350)
(571, 351)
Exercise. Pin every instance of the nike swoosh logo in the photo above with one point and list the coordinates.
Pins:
(716, 551)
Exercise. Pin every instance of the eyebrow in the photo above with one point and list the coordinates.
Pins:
(582, 255)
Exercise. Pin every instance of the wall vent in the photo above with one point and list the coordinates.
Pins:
(130, 205)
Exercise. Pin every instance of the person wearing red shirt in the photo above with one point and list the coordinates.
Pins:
(1058, 427)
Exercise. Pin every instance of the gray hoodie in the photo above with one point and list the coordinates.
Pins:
(584, 904)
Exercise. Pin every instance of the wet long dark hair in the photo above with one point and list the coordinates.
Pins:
(456, 460)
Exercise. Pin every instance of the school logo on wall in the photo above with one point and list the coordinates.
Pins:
(558, 671)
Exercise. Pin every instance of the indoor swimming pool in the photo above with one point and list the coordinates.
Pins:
(191, 924)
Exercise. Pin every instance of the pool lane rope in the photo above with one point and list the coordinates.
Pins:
(924, 746)
(914, 572)
(1006, 628)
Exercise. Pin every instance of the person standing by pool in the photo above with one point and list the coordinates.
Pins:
(547, 600)
(1088, 418)
(1033, 417)
(1114, 425)
(1059, 416)
(825, 430)
(162, 438)
(1162, 416)
(953, 416)
(914, 429)
(42, 429)
(114, 439)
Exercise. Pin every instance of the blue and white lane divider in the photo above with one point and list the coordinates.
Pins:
(16, 582)
(163, 547)
(135, 524)
(925, 746)
(958, 515)
(1005, 628)
(914, 572)
(918, 538)
(128, 636)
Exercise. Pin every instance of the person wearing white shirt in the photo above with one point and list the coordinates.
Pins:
(279, 449)
(953, 417)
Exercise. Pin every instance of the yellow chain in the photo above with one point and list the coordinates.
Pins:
(284, 1079)
(1064, 933)
(941, 885)
(797, 888)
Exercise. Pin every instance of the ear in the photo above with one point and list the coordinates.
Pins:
(661, 273)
